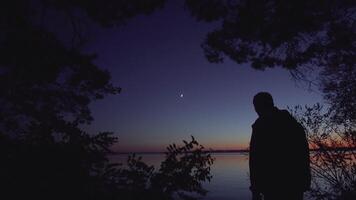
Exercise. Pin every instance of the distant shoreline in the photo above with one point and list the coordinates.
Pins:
(232, 151)
(210, 151)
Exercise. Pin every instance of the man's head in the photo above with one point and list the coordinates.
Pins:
(263, 103)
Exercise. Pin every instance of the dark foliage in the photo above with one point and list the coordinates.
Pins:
(339, 88)
(334, 158)
(46, 81)
(180, 175)
(279, 33)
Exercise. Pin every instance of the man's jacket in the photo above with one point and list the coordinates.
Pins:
(279, 154)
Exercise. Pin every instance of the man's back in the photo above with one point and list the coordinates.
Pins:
(279, 155)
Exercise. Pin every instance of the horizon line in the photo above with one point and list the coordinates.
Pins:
(225, 151)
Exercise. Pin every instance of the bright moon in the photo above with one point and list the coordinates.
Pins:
(181, 95)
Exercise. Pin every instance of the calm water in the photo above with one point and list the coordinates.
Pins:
(230, 175)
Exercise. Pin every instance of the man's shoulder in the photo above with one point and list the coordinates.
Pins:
(278, 115)
(289, 120)
(284, 111)
(284, 114)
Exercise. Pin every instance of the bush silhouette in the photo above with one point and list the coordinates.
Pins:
(334, 160)
(180, 175)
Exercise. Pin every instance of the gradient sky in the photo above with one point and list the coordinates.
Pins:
(157, 58)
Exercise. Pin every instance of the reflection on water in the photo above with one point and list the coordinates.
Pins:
(230, 177)
(230, 174)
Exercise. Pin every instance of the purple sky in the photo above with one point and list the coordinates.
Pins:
(157, 58)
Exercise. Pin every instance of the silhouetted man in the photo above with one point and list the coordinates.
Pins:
(279, 153)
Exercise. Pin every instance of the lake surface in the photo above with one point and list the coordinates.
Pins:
(230, 175)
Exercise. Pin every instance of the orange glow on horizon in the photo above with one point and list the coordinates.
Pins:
(242, 145)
